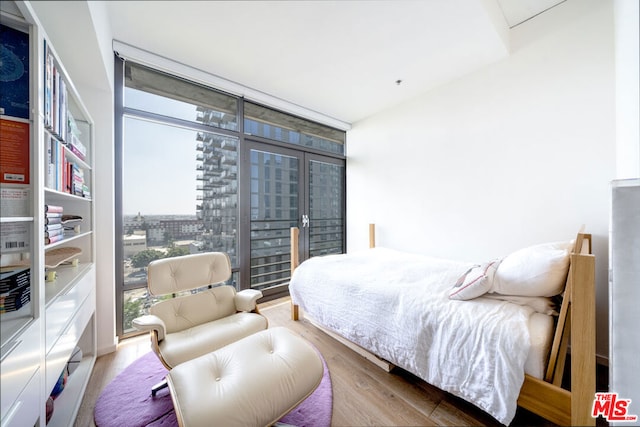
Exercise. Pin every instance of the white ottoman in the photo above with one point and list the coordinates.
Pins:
(252, 382)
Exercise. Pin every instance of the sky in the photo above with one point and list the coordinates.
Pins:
(159, 166)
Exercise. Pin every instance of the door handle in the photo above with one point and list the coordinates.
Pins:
(305, 221)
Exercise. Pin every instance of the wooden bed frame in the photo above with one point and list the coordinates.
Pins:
(575, 323)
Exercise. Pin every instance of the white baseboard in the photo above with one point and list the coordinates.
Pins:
(108, 349)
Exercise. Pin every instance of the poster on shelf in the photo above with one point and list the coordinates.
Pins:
(14, 141)
(14, 72)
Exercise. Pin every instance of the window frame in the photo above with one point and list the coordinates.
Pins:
(242, 268)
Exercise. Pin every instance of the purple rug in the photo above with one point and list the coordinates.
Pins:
(126, 401)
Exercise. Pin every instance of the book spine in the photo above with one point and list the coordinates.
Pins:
(53, 208)
(62, 125)
(48, 164)
(69, 177)
(57, 160)
(47, 86)
(54, 98)
(53, 239)
(50, 227)
(15, 280)
(61, 162)
(15, 300)
(52, 220)
(76, 150)
(54, 232)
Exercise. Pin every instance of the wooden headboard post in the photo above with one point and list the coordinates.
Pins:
(576, 323)
(372, 236)
(583, 338)
(295, 261)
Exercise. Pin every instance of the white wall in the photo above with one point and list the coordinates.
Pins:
(627, 88)
(104, 189)
(624, 343)
(520, 152)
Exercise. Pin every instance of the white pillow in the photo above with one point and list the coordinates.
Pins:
(477, 281)
(536, 271)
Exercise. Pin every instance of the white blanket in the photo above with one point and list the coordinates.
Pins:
(396, 305)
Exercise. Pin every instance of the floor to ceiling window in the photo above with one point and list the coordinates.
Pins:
(201, 170)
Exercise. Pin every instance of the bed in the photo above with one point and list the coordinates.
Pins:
(470, 329)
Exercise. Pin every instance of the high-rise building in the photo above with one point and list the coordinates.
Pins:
(217, 205)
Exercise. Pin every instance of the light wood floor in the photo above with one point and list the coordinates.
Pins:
(363, 394)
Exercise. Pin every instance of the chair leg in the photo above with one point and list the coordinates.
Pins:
(156, 388)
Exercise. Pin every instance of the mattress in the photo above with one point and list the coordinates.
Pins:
(541, 328)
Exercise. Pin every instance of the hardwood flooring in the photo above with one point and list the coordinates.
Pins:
(363, 394)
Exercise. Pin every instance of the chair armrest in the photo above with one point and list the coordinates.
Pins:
(149, 322)
(246, 299)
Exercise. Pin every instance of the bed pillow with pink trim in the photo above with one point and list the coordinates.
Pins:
(477, 281)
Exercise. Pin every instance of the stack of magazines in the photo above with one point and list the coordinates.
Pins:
(53, 228)
(15, 288)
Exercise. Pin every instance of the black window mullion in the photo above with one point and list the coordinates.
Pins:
(244, 192)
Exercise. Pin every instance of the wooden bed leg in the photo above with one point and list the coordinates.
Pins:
(295, 314)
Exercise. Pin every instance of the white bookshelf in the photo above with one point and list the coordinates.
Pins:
(38, 339)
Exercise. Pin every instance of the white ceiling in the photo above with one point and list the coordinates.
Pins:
(519, 11)
(341, 58)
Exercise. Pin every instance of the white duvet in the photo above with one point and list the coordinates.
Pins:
(396, 305)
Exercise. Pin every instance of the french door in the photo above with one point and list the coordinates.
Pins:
(290, 188)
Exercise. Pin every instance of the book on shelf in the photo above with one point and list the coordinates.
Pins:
(55, 97)
(14, 237)
(15, 300)
(50, 172)
(15, 287)
(14, 162)
(53, 209)
(53, 239)
(52, 218)
(74, 144)
(77, 148)
(54, 232)
(14, 202)
(53, 227)
(14, 84)
(77, 181)
(63, 174)
(48, 90)
(62, 117)
(13, 277)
